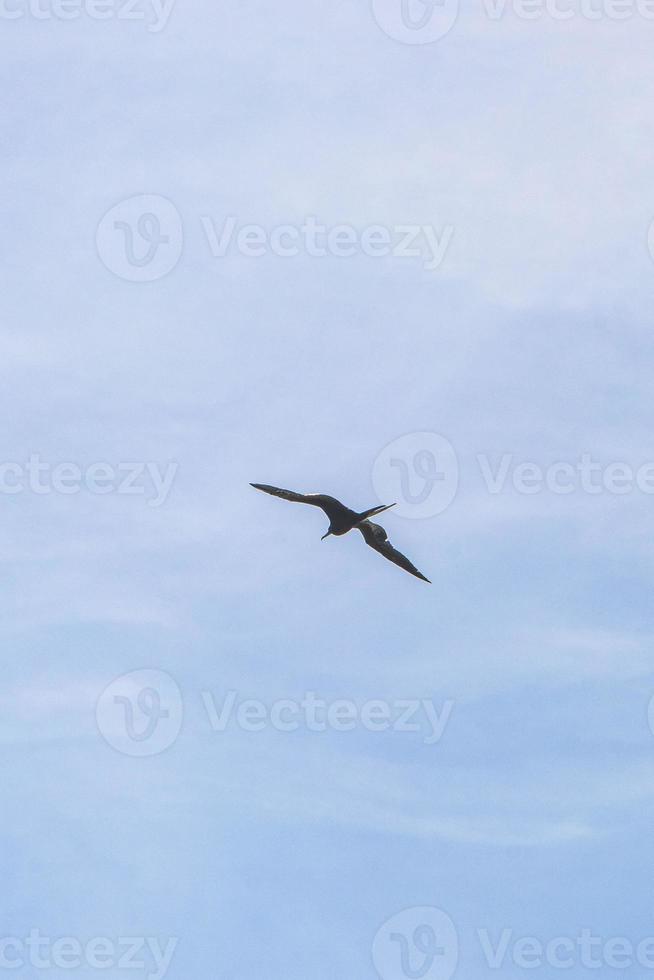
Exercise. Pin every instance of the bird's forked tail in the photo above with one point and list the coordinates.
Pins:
(375, 510)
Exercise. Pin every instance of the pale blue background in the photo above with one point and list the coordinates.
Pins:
(279, 856)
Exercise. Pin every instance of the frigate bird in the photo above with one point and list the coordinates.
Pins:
(342, 520)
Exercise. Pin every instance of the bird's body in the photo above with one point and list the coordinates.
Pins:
(342, 520)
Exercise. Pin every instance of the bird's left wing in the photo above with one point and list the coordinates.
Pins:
(300, 498)
(334, 509)
(375, 536)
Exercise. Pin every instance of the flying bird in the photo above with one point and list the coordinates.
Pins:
(342, 520)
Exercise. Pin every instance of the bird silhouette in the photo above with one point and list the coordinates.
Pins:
(342, 520)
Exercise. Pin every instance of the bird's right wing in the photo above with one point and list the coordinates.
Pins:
(376, 537)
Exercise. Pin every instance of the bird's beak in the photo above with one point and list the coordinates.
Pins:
(325, 535)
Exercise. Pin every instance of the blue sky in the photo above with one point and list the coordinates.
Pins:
(266, 853)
